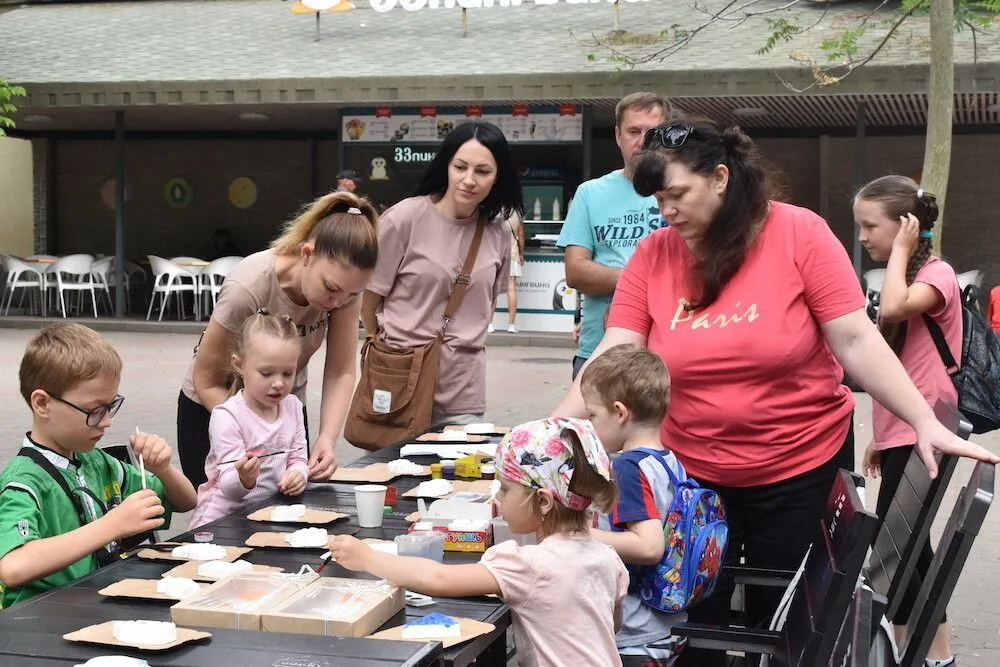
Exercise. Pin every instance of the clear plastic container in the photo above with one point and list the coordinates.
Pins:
(334, 600)
(422, 544)
(249, 593)
(502, 533)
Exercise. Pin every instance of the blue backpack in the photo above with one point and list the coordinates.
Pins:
(696, 535)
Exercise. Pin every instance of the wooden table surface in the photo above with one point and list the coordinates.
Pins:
(33, 631)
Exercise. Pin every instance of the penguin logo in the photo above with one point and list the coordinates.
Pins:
(379, 172)
(563, 296)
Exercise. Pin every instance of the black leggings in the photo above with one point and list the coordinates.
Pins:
(893, 463)
(192, 437)
(771, 525)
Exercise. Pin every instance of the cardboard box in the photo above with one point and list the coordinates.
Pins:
(335, 606)
(238, 603)
(441, 514)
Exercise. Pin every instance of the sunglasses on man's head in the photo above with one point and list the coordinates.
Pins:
(670, 136)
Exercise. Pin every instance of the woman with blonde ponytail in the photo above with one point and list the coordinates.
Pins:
(314, 273)
(895, 219)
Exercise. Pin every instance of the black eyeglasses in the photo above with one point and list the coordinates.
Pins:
(96, 415)
(670, 136)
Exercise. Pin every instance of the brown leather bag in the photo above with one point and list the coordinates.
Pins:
(394, 399)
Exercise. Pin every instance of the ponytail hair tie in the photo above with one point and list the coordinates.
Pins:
(354, 210)
(926, 234)
(920, 193)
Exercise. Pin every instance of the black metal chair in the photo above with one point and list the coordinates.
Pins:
(854, 642)
(963, 526)
(818, 598)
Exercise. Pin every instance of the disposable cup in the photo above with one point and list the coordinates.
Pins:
(424, 543)
(370, 499)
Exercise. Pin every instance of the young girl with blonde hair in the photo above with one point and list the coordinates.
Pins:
(258, 435)
(551, 471)
(314, 273)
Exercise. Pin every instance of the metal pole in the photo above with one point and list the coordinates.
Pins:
(311, 149)
(120, 213)
(588, 141)
(860, 144)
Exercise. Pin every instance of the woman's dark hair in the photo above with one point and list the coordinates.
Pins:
(724, 246)
(897, 196)
(505, 198)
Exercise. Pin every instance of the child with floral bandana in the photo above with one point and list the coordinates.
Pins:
(551, 472)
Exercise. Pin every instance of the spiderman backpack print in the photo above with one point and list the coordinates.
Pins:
(695, 534)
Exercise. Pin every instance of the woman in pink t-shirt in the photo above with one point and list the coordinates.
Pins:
(754, 306)
(895, 219)
(423, 243)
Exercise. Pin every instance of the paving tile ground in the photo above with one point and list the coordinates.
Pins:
(522, 383)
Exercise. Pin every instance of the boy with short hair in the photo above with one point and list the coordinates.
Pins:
(626, 391)
(63, 503)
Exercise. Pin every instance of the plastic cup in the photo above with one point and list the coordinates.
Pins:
(370, 499)
(423, 544)
(410, 544)
(434, 545)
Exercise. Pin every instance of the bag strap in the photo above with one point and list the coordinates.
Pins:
(48, 467)
(941, 344)
(464, 277)
(663, 461)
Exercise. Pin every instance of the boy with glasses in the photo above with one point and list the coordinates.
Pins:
(64, 504)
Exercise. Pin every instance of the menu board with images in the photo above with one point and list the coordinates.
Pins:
(520, 123)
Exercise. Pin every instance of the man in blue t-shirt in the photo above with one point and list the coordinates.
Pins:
(607, 219)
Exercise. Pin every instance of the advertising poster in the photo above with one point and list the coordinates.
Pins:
(520, 123)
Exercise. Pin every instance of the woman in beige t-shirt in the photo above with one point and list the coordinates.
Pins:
(313, 273)
(423, 243)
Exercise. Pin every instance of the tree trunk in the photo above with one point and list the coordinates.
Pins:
(940, 108)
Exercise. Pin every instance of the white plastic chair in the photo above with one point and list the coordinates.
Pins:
(21, 275)
(873, 285)
(168, 278)
(73, 273)
(211, 279)
(974, 277)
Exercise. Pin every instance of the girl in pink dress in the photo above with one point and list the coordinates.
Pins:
(258, 440)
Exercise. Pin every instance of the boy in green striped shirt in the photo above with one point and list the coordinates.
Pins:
(64, 503)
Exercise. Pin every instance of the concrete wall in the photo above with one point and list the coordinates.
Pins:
(281, 170)
(16, 205)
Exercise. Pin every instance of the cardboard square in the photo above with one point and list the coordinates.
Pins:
(103, 633)
(335, 606)
(189, 570)
(436, 437)
(476, 486)
(464, 428)
(255, 594)
(374, 473)
(470, 630)
(232, 554)
(312, 516)
(277, 541)
(139, 588)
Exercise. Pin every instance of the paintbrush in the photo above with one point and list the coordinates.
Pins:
(142, 464)
(261, 456)
(330, 557)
